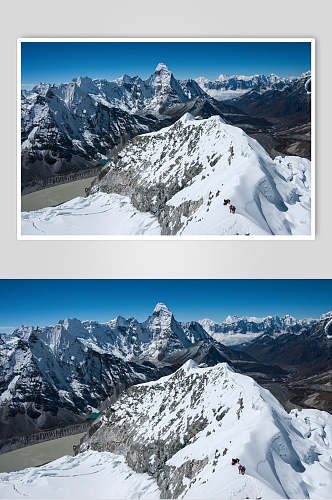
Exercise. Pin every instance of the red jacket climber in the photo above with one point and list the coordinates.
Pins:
(240, 469)
(230, 208)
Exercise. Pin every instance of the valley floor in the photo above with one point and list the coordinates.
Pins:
(53, 196)
(38, 454)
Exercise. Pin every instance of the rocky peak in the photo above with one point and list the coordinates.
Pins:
(71, 323)
(232, 318)
(161, 307)
(119, 321)
(326, 315)
(161, 67)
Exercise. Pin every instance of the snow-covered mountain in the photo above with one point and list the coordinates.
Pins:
(310, 351)
(74, 125)
(184, 429)
(54, 375)
(288, 108)
(47, 373)
(183, 173)
(176, 437)
(66, 129)
(238, 330)
(233, 86)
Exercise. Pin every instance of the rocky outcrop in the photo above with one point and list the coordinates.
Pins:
(117, 431)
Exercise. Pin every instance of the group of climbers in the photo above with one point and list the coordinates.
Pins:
(241, 468)
(232, 208)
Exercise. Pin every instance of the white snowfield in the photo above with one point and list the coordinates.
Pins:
(272, 197)
(286, 455)
(99, 214)
(91, 475)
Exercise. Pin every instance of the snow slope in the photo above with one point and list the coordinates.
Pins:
(175, 438)
(98, 214)
(91, 475)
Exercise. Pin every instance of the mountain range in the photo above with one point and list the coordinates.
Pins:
(75, 125)
(46, 374)
(54, 376)
(227, 87)
(239, 330)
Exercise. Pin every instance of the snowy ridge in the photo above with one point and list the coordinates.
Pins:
(125, 338)
(183, 173)
(219, 415)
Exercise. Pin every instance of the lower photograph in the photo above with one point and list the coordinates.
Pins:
(159, 389)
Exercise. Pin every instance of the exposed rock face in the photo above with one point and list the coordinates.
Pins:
(64, 135)
(44, 386)
(117, 431)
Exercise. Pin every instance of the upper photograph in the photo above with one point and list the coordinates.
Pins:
(165, 139)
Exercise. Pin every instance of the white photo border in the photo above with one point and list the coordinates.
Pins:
(312, 236)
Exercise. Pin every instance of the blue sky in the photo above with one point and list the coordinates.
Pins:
(57, 62)
(44, 302)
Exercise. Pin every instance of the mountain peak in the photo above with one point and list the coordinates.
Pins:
(161, 307)
(187, 117)
(231, 318)
(188, 366)
(161, 67)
